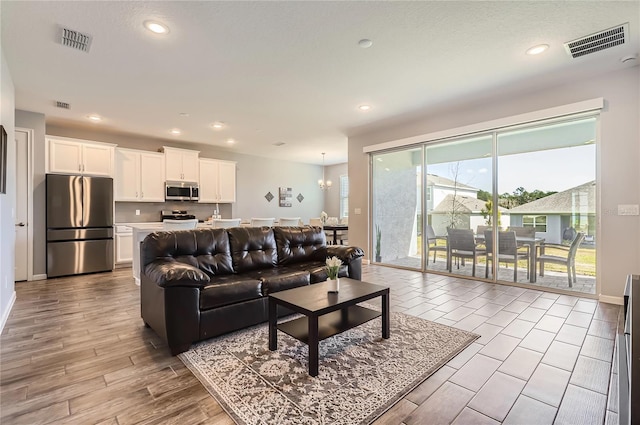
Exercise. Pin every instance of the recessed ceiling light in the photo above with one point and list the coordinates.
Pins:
(156, 27)
(536, 50)
(230, 141)
(364, 108)
(175, 131)
(365, 43)
(218, 125)
(94, 117)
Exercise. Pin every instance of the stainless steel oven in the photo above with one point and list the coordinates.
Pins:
(181, 191)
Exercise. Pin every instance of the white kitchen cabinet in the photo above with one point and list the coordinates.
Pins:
(139, 176)
(72, 156)
(124, 244)
(181, 164)
(217, 181)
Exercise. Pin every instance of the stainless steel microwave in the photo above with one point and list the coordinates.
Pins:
(181, 191)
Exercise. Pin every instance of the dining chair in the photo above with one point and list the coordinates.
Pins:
(523, 232)
(315, 222)
(507, 251)
(169, 224)
(569, 260)
(462, 245)
(288, 221)
(261, 222)
(225, 223)
(432, 243)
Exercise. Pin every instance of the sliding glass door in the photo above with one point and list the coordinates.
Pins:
(459, 206)
(515, 205)
(547, 183)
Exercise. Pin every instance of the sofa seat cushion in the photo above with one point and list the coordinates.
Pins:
(227, 290)
(279, 279)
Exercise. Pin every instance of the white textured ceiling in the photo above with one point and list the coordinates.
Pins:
(289, 72)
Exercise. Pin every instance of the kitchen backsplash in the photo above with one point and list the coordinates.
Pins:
(150, 211)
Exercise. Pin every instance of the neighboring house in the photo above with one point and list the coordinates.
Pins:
(466, 211)
(439, 187)
(558, 216)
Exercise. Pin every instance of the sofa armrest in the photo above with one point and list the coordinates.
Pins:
(345, 253)
(174, 273)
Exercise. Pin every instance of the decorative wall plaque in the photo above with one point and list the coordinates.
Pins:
(299, 197)
(269, 196)
(285, 196)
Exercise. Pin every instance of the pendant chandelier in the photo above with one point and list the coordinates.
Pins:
(324, 184)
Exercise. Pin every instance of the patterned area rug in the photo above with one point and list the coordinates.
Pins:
(360, 375)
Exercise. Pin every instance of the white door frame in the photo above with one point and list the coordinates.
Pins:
(30, 138)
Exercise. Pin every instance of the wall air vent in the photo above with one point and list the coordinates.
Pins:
(278, 144)
(75, 39)
(63, 105)
(598, 41)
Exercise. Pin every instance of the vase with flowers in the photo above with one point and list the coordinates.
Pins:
(333, 266)
(324, 217)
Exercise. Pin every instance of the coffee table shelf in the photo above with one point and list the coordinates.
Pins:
(329, 324)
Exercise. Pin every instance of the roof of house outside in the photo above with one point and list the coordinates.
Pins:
(436, 180)
(562, 202)
(463, 204)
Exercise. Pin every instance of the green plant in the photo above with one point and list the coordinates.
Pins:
(378, 237)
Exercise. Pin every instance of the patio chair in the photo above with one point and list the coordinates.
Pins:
(569, 261)
(432, 243)
(508, 251)
(462, 245)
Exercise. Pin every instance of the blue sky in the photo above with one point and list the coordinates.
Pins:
(547, 170)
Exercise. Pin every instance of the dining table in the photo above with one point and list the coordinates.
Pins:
(335, 228)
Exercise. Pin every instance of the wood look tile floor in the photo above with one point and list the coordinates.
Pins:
(75, 351)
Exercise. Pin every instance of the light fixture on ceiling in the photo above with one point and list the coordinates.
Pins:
(156, 27)
(217, 125)
(365, 43)
(536, 50)
(324, 184)
(364, 107)
(231, 141)
(94, 117)
(175, 131)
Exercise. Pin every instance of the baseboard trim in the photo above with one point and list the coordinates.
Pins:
(611, 300)
(5, 316)
(39, 277)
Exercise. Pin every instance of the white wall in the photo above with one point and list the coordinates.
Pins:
(332, 196)
(7, 200)
(618, 168)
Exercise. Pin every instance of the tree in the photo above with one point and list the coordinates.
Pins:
(454, 214)
(520, 197)
(487, 212)
(484, 195)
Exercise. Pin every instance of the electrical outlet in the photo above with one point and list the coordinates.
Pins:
(137, 212)
(632, 209)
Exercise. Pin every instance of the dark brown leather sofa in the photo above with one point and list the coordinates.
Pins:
(197, 284)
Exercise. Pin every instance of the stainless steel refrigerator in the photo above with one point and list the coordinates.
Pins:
(79, 224)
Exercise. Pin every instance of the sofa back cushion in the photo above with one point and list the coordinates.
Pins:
(252, 248)
(300, 244)
(206, 249)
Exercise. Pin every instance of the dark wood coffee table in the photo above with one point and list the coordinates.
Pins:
(325, 314)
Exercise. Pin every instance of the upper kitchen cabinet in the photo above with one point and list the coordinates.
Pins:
(217, 181)
(139, 176)
(180, 164)
(72, 156)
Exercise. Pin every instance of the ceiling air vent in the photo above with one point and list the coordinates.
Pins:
(63, 105)
(599, 41)
(278, 144)
(75, 39)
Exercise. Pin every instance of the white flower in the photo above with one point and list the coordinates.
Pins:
(333, 266)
